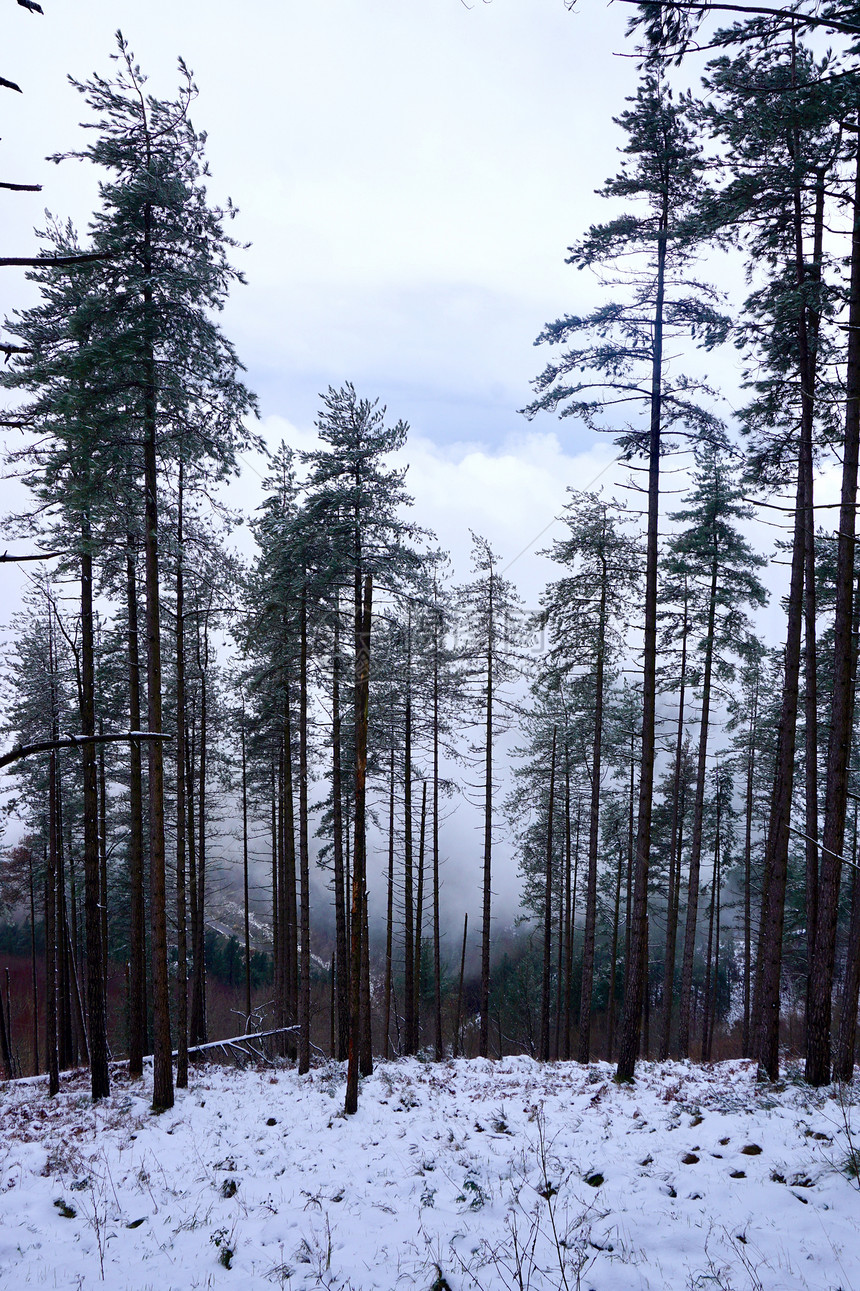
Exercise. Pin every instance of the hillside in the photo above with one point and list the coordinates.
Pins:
(467, 1174)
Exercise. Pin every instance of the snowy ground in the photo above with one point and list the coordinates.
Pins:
(468, 1174)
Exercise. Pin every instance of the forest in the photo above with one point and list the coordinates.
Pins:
(668, 744)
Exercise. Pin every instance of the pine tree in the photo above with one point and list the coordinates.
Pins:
(490, 608)
(585, 614)
(623, 364)
(717, 568)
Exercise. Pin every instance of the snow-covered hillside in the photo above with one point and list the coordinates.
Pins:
(468, 1174)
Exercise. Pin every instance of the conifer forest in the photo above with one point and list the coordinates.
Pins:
(237, 778)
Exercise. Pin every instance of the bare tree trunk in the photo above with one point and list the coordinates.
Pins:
(455, 1048)
(181, 891)
(593, 838)
(389, 922)
(410, 1021)
(245, 875)
(547, 914)
(162, 1092)
(439, 1048)
(484, 1041)
(748, 821)
(340, 882)
(819, 1008)
(103, 872)
(365, 1065)
(635, 969)
(198, 1028)
(673, 895)
(419, 916)
(51, 983)
(362, 692)
(698, 817)
(100, 1078)
(613, 961)
(304, 860)
(570, 915)
(846, 1041)
(34, 985)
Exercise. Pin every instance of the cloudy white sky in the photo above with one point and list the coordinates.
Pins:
(409, 175)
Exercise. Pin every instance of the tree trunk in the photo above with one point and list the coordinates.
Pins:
(766, 991)
(51, 956)
(304, 860)
(245, 875)
(846, 1040)
(162, 1092)
(181, 891)
(34, 985)
(698, 820)
(455, 1048)
(583, 1053)
(100, 1078)
(410, 1024)
(198, 1030)
(818, 1023)
(419, 916)
(389, 922)
(635, 970)
(673, 895)
(439, 1048)
(362, 694)
(547, 915)
(484, 1042)
(339, 874)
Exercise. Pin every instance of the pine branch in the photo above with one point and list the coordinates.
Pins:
(751, 11)
(21, 188)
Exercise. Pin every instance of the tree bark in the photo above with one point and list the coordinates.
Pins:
(547, 914)
(635, 972)
(818, 1022)
(100, 1078)
(362, 694)
(698, 820)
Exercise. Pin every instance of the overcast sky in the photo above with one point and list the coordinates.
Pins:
(409, 175)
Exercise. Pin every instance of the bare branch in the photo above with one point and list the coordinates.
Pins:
(73, 741)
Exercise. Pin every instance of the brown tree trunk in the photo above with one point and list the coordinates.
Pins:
(245, 874)
(635, 969)
(419, 916)
(181, 891)
(673, 894)
(698, 820)
(818, 1023)
(547, 915)
(162, 1092)
(439, 1048)
(362, 694)
(51, 956)
(98, 1048)
(304, 859)
(583, 1052)
(340, 888)
(455, 1047)
(389, 922)
(410, 1024)
(484, 1040)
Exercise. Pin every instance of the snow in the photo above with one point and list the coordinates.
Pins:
(467, 1174)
